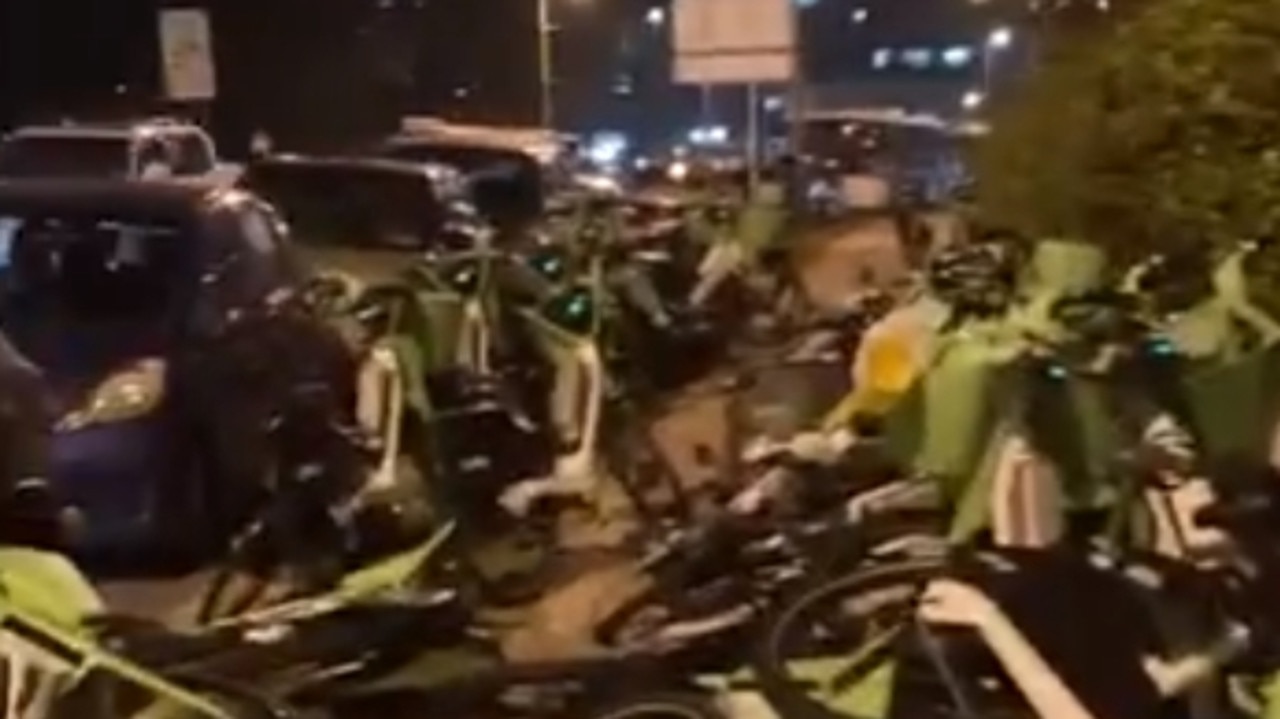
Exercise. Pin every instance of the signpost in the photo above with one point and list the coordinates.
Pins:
(736, 42)
(186, 54)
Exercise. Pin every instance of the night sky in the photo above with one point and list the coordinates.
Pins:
(321, 71)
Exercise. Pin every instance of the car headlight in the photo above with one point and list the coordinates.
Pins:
(127, 394)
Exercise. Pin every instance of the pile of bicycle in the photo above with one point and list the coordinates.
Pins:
(1032, 484)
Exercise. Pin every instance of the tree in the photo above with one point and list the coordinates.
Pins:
(1033, 169)
(1162, 129)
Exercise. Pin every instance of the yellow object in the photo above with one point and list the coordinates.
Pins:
(884, 370)
(890, 365)
(892, 355)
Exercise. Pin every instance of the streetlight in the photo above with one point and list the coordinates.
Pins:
(546, 70)
(998, 40)
(546, 104)
(972, 100)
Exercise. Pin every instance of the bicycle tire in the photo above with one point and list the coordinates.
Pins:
(659, 705)
(608, 633)
(790, 698)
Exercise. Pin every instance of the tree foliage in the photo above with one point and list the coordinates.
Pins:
(1162, 129)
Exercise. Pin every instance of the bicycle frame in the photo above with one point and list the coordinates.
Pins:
(951, 602)
(474, 340)
(46, 656)
(577, 399)
(390, 575)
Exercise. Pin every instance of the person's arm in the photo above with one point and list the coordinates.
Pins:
(955, 603)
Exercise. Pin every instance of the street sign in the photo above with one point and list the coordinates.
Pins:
(733, 41)
(186, 52)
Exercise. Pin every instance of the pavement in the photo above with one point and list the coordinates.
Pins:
(833, 264)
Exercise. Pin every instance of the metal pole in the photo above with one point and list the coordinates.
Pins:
(987, 59)
(753, 134)
(797, 101)
(546, 79)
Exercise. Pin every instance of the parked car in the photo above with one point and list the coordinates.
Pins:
(508, 185)
(368, 217)
(157, 313)
(150, 148)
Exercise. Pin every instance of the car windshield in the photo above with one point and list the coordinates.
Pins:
(77, 292)
(348, 207)
(52, 156)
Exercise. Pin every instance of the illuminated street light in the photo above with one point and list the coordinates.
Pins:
(972, 100)
(1000, 38)
(860, 15)
(656, 17)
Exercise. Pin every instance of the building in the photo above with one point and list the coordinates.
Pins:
(925, 56)
(918, 56)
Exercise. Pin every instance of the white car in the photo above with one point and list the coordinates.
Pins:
(152, 148)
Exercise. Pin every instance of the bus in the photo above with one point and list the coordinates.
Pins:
(889, 157)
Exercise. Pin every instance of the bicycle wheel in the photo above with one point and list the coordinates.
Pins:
(635, 621)
(825, 655)
(643, 623)
(659, 705)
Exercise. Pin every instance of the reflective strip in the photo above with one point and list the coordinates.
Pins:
(45, 644)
